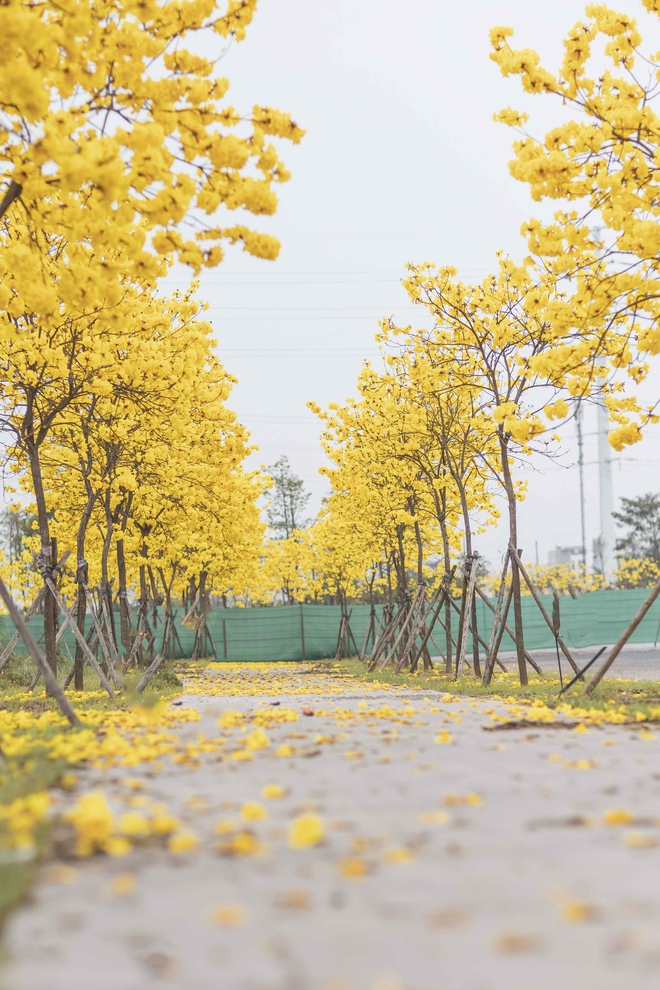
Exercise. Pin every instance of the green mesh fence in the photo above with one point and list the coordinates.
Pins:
(309, 632)
(594, 619)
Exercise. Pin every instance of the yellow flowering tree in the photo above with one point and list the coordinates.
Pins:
(603, 164)
(115, 130)
(119, 154)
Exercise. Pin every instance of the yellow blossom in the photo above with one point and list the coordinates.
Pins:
(306, 831)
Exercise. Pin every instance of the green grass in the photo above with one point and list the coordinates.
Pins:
(34, 772)
(15, 882)
(634, 696)
(18, 780)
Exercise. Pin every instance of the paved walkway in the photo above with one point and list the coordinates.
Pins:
(480, 861)
(638, 662)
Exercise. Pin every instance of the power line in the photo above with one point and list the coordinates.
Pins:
(281, 419)
(297, 274)
(285, 351)
(363, 276)
(373, 281)
(285, 319)
(278, 446)
(300, 309)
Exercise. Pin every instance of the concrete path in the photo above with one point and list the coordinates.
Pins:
(481, 861)
(639, 661)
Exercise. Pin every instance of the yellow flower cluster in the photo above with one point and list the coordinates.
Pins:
(564, 578)
(112, 127)
(97, 829)
(20, 819)
(119, 737)
(635, 573)
(94, 824)
(602, 158)
(539, 712)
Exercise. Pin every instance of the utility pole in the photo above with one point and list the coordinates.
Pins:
(606, 495)
(580, 440)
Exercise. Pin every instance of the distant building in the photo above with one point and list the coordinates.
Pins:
(564, 555)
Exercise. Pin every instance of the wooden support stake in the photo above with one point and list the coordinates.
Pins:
(404, 626)
(340, 638)
(79, 636)
(9, 648)
(442, 595)
(535, 595)
(456, 609)
(440, 653)
(370, 622)
(517, 616)
(466, 612)
(209, 640)
(409, 650)
(191, 611)
(60, 632)
(149, 672)
(490, 656)
(476, 664)
(414, 653)
(623, 639)
(111, 636)
(175, 634)
(165, 644)
(99, 634)
(377, 636)
(556, 624)
(382, 635)
(93, 642)
(350, 635)
(196, 653)
(128, 660)
(505, 627)
(52, 684)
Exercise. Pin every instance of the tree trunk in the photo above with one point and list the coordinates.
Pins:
(81, 613)
(105, 588)
(420, 554)
(400, 562)
(466, 520)
(45, 555)
(124, 610)
(515, 573)
(82, 579)
(447, 578)
(144, 605)
(476, 663)
(204, 598)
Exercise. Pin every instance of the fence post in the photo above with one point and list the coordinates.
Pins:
(302, 633)
(224, 636)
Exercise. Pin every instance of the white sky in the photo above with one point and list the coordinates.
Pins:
(401, 162)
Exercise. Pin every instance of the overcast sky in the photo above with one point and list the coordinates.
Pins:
(401, 162)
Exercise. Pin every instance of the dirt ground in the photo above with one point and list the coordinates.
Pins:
(456, 853)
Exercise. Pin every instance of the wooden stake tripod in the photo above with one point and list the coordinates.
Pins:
(50, 680)
(345, 636)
